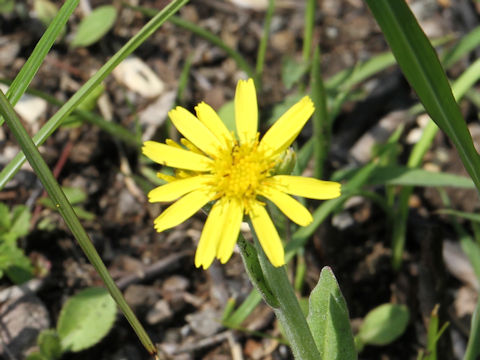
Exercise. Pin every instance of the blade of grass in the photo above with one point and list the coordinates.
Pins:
(321, 121)
(55, 121)
(423, 70)
(262, 48)
(466, 44)
(65, 209)
(473, 346)
(308, 30)
(35, 60)
(460, 87)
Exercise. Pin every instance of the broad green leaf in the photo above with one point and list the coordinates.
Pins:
(49, 343)
(45, 10)
(383, 325)
(7, 6)
(85, 319)
(20, 221)
(36, 355)
(5, 221)
(421, 67)
(328, 319)
(95, 26)
(227, 114)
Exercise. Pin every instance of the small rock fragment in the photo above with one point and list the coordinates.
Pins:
(138, 77)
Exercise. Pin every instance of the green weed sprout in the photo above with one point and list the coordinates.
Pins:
(13, 225)
(85, 319)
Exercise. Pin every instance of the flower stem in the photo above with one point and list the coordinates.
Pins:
(288, 309)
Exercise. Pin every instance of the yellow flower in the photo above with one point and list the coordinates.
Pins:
(234, 173)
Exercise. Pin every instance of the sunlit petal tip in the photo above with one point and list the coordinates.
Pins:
(246, 111)
(308, 187)
(285, 130)
(209, 117)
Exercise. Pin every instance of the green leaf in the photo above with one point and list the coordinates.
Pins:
(5, 221)
(85, 319)
(74, 196)
(421, 67)
(462, 214)
(473, 346)
(292, 72)
(328, 319)
(6, 6)
(227, 114)
(383, 325)
(466, 44)
(49, 343)
(35, 60)
(282, 107)
(45, 10)
(95, 26)
(36, 355)
(20, 221)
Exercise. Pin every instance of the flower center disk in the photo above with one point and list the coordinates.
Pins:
(240, 172)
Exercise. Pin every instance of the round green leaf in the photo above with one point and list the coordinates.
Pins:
(94, 26)
(85, 319)
(383, 324)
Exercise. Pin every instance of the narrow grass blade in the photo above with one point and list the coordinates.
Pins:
(262, 48)
(65, 209)
(466, 44)
(35, 60)
(308, 30)
(473, 346)
(321, 120)
(55, 121)
(419, 63)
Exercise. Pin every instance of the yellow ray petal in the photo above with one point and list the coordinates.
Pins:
(207, 246)
(177, 188)
(212, 121)
(267, 235)
(174, 157)
(165, 177)
(246, 111)
(287, 127)
(289, 206)
(308, 187)
(194, 130)
(182, 209)
(230, 230)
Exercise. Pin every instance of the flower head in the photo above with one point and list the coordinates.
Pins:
(234, 172)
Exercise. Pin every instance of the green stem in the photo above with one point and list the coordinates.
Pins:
(65, 209)
(262, 48)
(321, 120)
(288, 309)
(308, 31)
